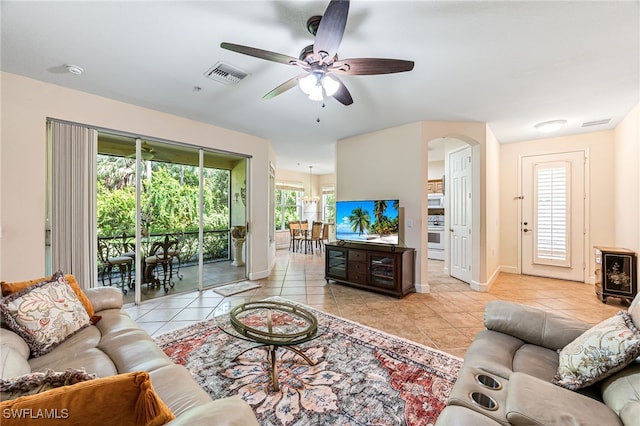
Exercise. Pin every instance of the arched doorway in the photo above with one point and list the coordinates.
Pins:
(452, 235)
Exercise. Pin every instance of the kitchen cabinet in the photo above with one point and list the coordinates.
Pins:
(435, 186)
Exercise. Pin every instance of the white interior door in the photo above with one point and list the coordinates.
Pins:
(553, 224)
(460, 209)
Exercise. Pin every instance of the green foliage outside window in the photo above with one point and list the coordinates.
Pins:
(169, 197)
(329, 207)
(288, 207)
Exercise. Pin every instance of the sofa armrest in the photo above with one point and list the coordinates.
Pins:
(532, 401)
(221, 412)
(532, 325)
(103, 298)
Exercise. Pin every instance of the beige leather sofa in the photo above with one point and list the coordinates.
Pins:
(519, 351)
(115, 345)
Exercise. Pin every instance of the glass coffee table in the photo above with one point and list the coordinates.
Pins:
(270, 324)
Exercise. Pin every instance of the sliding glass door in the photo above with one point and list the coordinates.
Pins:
(173, 219)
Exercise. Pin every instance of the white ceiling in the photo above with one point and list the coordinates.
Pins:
(511, 64)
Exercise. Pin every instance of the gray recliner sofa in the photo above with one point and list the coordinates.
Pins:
(506, 377)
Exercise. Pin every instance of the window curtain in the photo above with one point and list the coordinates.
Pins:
(73, 201)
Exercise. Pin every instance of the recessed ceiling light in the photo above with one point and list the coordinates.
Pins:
(550, 126)
(74, 69)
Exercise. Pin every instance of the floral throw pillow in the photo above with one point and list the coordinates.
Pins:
(599, 352)
(45, 314)
(40, 381)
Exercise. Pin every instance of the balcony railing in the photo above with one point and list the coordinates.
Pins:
(216, 245)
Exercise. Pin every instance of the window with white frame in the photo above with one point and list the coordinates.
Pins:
(328, 203)
(288, 204)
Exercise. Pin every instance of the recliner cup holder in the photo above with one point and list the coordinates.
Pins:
(488, 381)
(484, 401)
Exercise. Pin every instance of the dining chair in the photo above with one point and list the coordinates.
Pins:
(314, 236)
(295, 235)
(325, 235)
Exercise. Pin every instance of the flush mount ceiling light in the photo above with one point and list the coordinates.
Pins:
(550, 126)
(74, 69)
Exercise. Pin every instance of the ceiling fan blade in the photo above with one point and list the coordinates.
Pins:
(289, 84)
(262, 54)
(331, 30)
(342, 95)
(370, 66)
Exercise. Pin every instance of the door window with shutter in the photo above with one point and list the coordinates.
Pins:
(552, 197)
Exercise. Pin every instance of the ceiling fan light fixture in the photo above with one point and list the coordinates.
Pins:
(330, 85)
(550, 126)
(308, 83)
(316, 93)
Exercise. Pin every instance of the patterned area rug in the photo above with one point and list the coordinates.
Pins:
(362, 376)
(235, 288)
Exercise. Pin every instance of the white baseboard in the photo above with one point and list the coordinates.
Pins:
(509, 269)
(423, 288)
(484, 287)
(258, 275)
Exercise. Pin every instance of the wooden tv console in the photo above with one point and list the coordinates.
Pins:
(383, 269)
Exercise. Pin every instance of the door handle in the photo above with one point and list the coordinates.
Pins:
(525, 230)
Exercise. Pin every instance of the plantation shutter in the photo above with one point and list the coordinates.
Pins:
(552, 242)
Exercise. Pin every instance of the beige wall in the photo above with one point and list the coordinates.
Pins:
(626, 171)
(493, 221)
(436, 169)
(600, 184)
(393, 163)
(27, 103)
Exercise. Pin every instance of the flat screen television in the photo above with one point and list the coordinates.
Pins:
(369, 221)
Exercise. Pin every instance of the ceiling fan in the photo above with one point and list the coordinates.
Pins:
(320, 60)
(147, 152)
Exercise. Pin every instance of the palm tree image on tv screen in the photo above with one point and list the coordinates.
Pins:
(372, 221)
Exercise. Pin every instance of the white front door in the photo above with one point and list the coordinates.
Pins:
(460, 209)
(553, 222)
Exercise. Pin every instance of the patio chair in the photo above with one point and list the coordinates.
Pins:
(108, 262)
(159, 261)
(129, 250)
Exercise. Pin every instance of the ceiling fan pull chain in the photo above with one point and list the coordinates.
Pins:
(322, 106)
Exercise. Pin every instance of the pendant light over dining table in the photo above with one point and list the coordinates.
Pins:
(310, 198)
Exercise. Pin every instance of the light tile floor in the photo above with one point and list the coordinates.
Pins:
(447, 318)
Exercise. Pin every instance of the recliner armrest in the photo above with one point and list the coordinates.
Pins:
(103, 298)
(532, 325)
(231, 411)
(532, 401)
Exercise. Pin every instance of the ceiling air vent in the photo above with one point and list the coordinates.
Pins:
(225, 73)
(596, 122)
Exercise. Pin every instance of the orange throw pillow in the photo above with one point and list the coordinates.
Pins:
(124, 399)
(10, 288)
